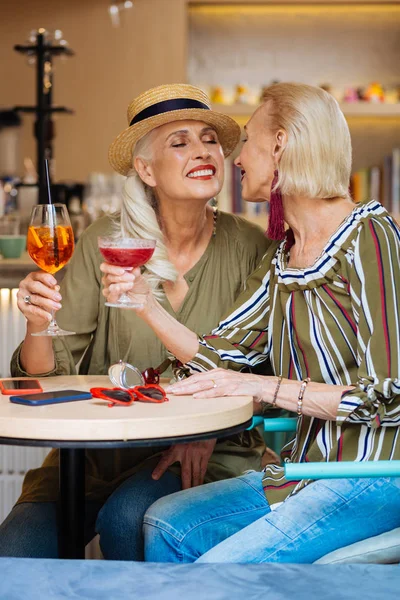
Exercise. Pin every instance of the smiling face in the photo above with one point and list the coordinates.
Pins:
(187, 161)
(259, 156)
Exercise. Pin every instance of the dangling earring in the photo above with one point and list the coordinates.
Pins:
(276, 226)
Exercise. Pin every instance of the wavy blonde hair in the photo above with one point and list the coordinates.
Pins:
(316, 161)
(138, 218)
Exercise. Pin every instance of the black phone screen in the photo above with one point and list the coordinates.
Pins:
(21, 384)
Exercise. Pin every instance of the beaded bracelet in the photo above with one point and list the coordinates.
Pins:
(303, 386)
(266, 406)
(278, 385)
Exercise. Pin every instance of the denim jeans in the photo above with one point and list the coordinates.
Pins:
(30, 530)
(119, 522)
(231, 521)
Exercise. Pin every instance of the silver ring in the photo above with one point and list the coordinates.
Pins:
(27, 299)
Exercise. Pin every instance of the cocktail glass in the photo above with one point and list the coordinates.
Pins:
(128, 253)
(50, 243)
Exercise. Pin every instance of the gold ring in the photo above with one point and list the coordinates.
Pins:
(214, 384)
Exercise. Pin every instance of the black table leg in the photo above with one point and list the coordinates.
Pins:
(71, 534)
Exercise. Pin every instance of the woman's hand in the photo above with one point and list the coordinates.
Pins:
(193, 458)
(222, 382)
(43, 292)
(117, 280)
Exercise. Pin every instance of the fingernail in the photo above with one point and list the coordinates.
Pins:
(57, 297)
(56, 305)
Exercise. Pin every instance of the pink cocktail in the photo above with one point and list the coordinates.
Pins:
(127, 253)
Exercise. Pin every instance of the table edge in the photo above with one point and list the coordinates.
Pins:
(219, 433)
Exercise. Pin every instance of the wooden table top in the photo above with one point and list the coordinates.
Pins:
(93, 420)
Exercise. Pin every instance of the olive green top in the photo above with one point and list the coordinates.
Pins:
(105, 335)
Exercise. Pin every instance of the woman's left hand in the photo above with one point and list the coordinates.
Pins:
(222, 382)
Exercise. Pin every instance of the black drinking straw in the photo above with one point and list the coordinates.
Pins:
(46, 166)
(52, 224)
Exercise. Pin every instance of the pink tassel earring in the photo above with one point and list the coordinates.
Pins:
(276, 227)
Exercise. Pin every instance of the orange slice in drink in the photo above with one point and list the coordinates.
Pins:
(63, 235)
(36, 237)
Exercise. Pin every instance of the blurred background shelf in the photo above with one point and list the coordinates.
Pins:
(242, 112)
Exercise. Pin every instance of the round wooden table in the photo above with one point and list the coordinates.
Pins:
(74, 426)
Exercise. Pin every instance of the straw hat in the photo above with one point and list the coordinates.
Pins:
(165, 104)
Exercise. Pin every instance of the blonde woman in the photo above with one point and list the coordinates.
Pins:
(173, 156)
(324, 307)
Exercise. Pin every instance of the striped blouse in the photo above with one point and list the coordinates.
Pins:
(336, 322)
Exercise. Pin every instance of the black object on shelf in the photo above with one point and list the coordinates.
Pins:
(43, 51)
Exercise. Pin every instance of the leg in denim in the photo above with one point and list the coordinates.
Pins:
(120, 520)
(326, 515)
(30, 530)
(183, 526)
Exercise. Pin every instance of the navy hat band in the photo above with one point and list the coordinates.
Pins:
(167, 106)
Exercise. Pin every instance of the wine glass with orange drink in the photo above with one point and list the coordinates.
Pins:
(50, 243)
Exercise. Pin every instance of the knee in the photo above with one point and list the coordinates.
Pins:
(120, 514)
(165, 527)
(159, 533)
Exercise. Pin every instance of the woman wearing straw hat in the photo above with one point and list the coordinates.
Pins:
(173, 156)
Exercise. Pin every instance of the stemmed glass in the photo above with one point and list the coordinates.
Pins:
(50, 243)
(128, 253)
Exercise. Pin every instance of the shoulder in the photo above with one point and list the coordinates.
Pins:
(376, 228)
(248, 236)
(102, 226)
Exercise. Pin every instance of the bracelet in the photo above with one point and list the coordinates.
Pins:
(303, 386)
(278, 385)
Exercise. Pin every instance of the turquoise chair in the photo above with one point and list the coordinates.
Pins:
(275, 429)
(380, 549)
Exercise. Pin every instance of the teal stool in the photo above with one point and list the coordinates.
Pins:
(275, 430)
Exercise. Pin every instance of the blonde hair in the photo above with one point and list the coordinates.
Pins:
(316, 161)
(138, 218)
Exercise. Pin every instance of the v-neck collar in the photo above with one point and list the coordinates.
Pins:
(190, 275)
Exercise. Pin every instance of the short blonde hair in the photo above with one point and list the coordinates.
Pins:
(317, 159)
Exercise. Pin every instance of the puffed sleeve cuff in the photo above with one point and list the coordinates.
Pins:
(206, 358)
(215, 351)
(371, 402)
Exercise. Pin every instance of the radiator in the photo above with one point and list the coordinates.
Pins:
(15, 461)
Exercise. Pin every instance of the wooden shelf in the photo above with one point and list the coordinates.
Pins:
(241, 112)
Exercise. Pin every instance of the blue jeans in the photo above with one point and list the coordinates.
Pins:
(30, 530)
(119, 522)
(231, 521)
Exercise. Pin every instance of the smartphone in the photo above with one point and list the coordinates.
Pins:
(51, 397)
(22, 386)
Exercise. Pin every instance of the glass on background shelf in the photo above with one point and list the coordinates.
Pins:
(102, 195)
